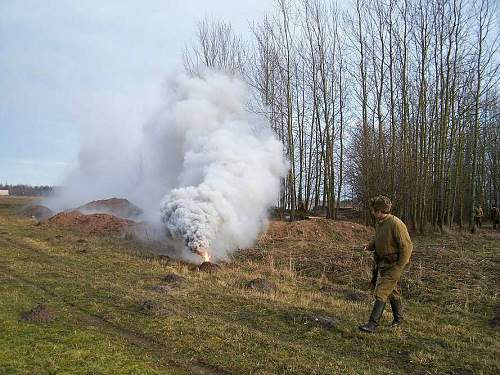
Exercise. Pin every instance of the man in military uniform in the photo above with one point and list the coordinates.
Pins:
(495, 216)
(392, 249)
(301, 212)
(478, 216)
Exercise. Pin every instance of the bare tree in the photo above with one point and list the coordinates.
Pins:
(216, 47)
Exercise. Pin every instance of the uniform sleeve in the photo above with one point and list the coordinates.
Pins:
(403, 240)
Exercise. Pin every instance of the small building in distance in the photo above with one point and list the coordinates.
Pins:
(4, 192)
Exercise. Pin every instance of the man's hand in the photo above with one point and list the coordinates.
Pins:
(368, 247)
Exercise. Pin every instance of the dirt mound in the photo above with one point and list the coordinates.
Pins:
(354, 296)
(38, 211)
(94, 223)
(153, 308)
(114, 206)
(150, 307)
(317, 229)
(325, 322)
(209, 267)
(162, 288)
(173, 278)
(39, 314)
(262, 285)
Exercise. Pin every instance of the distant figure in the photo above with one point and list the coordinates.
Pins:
(301, 212)
(495, 216)
(478, 216)
(392, 248)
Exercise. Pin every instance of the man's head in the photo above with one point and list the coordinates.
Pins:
(381, 203)
(380, 206)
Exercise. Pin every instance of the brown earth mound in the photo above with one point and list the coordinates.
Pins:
(261, 285)
(173, 278)
(94, 223)
(325, 322)
(38, 211)
(354, 296)
(150, 307)
(209, 267)
(39, 314)
(114, 206)
(162, 288)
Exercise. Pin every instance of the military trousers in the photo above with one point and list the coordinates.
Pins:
(478, 221)
(388, 282)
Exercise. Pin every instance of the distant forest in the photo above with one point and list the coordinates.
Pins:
(375, 97)
(27, 190)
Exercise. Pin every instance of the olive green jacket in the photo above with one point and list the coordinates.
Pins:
(478, 212)
(392, 242)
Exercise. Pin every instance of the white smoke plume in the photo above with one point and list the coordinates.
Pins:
(204, 166)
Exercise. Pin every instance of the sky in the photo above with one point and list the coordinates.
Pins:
(66, 66)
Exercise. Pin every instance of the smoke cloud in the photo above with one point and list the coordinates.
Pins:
(204, 167)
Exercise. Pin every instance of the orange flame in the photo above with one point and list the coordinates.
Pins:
(202, 252)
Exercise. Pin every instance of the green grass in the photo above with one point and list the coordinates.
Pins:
(212, 324)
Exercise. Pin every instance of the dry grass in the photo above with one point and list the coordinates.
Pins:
(111, 317)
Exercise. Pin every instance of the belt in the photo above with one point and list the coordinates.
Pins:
(387, 258)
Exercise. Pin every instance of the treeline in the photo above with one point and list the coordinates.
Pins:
(27, 190)
(380, 97)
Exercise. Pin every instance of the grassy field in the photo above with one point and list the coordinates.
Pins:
(109, 310)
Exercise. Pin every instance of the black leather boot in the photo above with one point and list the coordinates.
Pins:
(396, 312)
(378, 309)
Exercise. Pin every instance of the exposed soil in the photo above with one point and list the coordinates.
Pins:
(354, 296)
(262, 285)
(37, 211)
(162, 288)
(39, 314)
(325, 322)
(169, 282)
(94, 223)
(173, 278)
(209, 267)
(147, 306)
(115, 206)
(150, 307)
